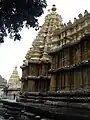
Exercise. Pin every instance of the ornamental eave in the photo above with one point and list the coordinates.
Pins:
(69, 44)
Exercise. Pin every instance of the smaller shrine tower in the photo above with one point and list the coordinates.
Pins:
(14, 84)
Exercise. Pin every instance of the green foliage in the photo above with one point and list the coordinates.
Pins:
(14, 14)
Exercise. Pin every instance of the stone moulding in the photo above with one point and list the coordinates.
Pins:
(14, 89)
(39, 62)
(35, 62)
(35, 77)
(71, 25)
(73, 66)
(38, 77)
(70, 44)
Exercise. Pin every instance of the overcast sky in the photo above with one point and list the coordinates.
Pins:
(12, 53)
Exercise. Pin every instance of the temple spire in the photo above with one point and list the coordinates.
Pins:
(15, 67)
(53, 8)
(14, 81)
(42, 42)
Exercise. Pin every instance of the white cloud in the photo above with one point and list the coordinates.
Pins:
(12, 53)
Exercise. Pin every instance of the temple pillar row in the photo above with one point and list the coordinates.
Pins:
(53, 83)
(31, 85)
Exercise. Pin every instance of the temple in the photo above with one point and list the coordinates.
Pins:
(14, 84)
(35, 77)
(70, 66)
(59, 57)
(55, 82)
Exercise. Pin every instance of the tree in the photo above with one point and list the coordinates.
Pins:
(15, 14)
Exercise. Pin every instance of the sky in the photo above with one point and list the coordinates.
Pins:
(13, 53)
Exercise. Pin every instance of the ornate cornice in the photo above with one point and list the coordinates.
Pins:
(35, 77)
(70, 67)
(70, 44)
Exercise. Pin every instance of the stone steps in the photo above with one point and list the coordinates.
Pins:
(50, 106)
(58, 99)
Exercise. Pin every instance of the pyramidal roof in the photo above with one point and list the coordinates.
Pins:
(14, 81)
(43, 41)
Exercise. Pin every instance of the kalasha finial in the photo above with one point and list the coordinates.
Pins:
(15, 67)
(54, 8)
(48, 10)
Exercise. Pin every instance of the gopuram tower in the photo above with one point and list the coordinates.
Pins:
(35, 77)
(14, 84)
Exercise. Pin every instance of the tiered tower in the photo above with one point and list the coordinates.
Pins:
(14, 81)
(35, 77)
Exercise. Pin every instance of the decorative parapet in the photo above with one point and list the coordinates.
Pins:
(78, 24)
(71, 32)
(59, 48)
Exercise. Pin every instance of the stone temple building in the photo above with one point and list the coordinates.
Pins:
(70, 68)
(14, 84)
(35, 77)
(56, 72)
(59, 57)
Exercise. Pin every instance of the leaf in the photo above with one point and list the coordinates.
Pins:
(15, 14)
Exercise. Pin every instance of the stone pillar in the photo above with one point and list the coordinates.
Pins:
(75, 80)
(63, 82)
(78, 79)
(53, 83)
(24, 86)
(60, 81)
(86, 78)
(88, 72)
(66, 82)
(31, 86)
(81, 79)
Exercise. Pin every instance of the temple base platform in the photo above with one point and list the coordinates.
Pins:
(51, 105)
